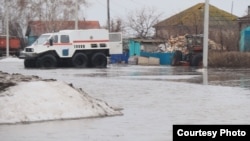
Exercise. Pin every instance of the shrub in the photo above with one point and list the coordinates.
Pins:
(232, 59)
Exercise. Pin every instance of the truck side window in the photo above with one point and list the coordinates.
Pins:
(64, 38)
(94, 45)
(103, 45)
(55, 39)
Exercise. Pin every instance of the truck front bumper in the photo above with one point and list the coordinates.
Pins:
(27, 55)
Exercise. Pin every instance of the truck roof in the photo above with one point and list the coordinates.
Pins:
(86, 34)
(84, 30)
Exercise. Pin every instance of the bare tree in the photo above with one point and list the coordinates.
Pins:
(59, 10)
(140, 23)
(116, 25)
(23, 11)
(16, 17)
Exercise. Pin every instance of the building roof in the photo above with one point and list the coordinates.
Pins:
(36, 28)
(196, 14)
(245, 19)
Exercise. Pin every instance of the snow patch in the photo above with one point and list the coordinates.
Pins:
(53, 100)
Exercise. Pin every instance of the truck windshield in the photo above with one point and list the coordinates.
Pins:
(41, 40)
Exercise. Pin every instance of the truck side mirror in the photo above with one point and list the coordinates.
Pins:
(51, 42)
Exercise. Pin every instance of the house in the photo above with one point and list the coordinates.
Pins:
(223, 26)
(244, 28)
(36, 28)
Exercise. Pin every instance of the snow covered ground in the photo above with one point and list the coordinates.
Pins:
(25, 99)
(43, 100)
(152, 103)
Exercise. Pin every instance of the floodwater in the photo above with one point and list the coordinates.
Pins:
(153, 98)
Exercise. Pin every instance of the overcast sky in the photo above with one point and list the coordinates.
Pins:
(120, 8)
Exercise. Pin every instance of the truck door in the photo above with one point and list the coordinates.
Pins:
(115, 43)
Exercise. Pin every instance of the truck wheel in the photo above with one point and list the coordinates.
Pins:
(197, 60)
(47, 61)
(99, 60)
(29, 63)
(177, 58)
(80, 60)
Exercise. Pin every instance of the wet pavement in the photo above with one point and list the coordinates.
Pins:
(153, 98)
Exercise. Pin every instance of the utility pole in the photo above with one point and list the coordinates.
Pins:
(7, 28)
(205, 39)
(232, 7)
(108, 14)
(76, 14)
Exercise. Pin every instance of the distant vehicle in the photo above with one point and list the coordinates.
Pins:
(74, 48)
(14, 45)
(193, 56)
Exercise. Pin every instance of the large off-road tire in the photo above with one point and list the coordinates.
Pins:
(80, 60)
(177, 57)
(188, 58)
(29, 63)
(47, 61)
(197, 60)
(99, 60)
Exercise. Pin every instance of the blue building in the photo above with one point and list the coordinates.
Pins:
(149, 48)
(244, 26)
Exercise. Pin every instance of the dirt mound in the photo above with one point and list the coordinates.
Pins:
(7, 80)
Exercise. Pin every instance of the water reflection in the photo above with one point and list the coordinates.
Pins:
(205, 76)
(210, 76)
(230, 77)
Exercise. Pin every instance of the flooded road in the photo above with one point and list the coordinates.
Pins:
(153, 98)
